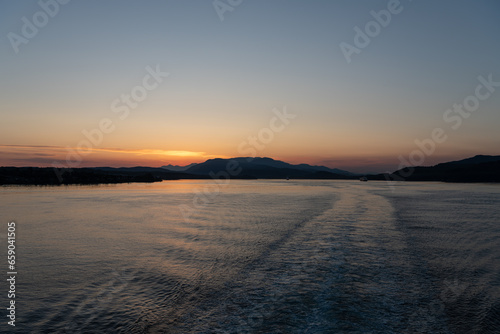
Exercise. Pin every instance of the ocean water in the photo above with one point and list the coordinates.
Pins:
(255, 257)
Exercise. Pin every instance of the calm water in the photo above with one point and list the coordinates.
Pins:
(258, 257)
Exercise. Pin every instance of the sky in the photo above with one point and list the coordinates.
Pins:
(359, 85)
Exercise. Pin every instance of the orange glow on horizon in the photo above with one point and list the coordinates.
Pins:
(74, 157)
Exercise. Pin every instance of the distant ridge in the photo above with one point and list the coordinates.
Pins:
(178, 168)
(474, 160)
(480, 168)
(267, 168)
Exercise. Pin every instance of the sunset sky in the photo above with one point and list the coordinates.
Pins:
(67, 88)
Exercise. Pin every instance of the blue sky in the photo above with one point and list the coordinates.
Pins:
(225, 78)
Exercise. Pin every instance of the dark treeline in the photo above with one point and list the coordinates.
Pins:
(51, 176)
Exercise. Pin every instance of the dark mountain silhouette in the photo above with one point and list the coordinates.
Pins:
(481, 168)
(266, 168)
(474, 160)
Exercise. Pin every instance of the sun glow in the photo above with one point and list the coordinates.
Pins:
(45, 156)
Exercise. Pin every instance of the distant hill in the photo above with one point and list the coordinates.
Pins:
(266, 168)
(178, 168)
(474, 160)
(481, 168)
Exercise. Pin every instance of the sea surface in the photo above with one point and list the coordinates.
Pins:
(254, 256)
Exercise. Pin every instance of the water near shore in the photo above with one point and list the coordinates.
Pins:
(256, 257)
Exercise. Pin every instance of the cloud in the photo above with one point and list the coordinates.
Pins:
(177, 153)
(46, 155)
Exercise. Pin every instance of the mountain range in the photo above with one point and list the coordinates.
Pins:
(256, 168)
(481, 168)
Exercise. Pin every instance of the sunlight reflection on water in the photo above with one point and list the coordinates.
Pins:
(261, 256)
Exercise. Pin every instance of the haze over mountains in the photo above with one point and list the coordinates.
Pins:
(481, 168)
